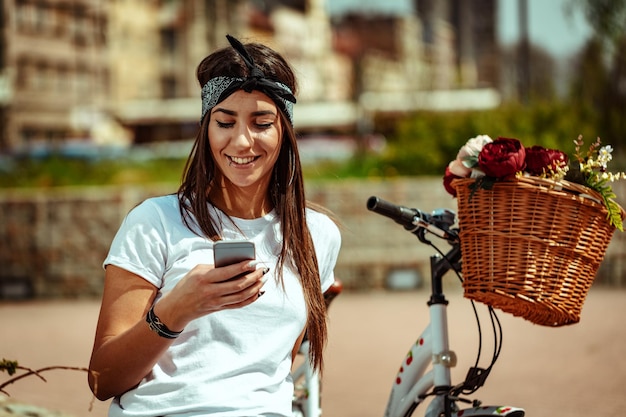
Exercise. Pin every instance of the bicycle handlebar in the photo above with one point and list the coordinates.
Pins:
(438, 223)
(404, 216)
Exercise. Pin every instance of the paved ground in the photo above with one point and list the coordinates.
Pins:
(573, 371)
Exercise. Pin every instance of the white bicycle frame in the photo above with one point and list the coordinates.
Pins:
(414, 383)
(307, 399)
(425, 371)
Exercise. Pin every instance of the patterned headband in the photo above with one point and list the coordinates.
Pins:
(218, 88)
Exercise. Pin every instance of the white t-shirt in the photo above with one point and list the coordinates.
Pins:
(232, 362)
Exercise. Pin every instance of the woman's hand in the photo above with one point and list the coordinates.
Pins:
(125, 349)
(206, 289)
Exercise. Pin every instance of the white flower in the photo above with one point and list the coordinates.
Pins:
(459, 169)
(604, 155)
(468, 154)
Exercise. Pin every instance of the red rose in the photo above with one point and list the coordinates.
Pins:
(447, 181)
(540, 160)
(502, 157)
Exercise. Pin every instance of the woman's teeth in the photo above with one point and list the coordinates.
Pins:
(241, 161)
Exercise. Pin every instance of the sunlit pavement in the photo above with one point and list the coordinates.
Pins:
(571, 371)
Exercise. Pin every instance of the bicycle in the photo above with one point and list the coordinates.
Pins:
(425, 371)
(307, 399)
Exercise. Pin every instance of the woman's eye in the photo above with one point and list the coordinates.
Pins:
(224, 124)
(258, 125)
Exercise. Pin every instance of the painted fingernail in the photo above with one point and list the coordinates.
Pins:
(265, 270)
(260, 294)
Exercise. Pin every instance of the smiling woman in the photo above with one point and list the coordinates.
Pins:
(178, 335)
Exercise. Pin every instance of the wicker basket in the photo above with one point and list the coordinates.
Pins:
(532, 249)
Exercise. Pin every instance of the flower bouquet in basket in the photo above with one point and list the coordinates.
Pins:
(533, 229)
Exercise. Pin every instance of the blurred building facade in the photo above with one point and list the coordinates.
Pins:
(123, 71)
(54, 69)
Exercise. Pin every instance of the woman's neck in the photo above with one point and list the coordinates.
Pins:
(241, 204)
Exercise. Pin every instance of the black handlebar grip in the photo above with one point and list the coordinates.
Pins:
(400, 214)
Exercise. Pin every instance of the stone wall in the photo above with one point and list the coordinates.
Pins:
(52, 242)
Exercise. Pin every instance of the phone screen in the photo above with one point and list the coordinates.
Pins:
(228, 252)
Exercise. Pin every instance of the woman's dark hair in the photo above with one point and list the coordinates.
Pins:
(286, 191)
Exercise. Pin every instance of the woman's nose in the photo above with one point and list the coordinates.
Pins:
(242, 136)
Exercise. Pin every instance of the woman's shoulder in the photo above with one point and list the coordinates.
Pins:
(159, 206)
(318, 214)
(321, 221)
(163, 202)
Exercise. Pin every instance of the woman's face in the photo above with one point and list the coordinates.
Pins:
(245, 136)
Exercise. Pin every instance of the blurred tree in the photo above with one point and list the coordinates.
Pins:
(542, 72)
(616, 97)
(591, 75)
(601, 75)
(606, 17)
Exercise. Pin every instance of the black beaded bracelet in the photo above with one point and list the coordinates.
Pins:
(158, 327)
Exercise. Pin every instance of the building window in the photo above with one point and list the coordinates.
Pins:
(41, 18)
(62, 18)
(23, 73)
(82, 80)
(63, 79)
(25, 15)
(78, 27)
(40, 77)
(168, 40)
(168, 87)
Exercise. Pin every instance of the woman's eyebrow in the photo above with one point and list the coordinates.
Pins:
(223, 110)
(234, 113)
(263, 113)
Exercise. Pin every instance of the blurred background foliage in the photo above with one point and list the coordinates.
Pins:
(59, 171)
(425, 142)
(422, 143)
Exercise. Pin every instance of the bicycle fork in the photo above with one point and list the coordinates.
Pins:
(431, 348)
(442, 357)
(412, 381)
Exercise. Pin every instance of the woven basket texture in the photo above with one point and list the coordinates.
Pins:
(531, 248)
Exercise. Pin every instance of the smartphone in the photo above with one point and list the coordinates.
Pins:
(228, 252)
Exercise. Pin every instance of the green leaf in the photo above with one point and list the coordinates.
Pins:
(615, 214)
(485, 183)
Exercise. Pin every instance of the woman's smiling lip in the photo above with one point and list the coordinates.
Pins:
(242, 160)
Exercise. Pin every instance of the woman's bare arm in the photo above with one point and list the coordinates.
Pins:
(125, 349)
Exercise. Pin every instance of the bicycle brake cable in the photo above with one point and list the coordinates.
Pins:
(476, 376)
